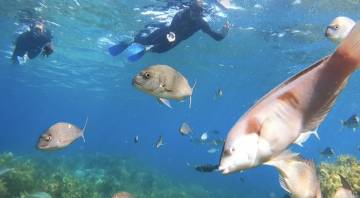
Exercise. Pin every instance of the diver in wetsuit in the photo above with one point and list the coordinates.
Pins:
(184, 24)
(33, 42)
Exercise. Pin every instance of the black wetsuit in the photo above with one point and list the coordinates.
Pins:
(31, 44)
(182, 25)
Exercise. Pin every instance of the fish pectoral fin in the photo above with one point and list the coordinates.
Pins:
(284, 156)
(283, 184)
(303, 137)
(165, 102)
(314, 121)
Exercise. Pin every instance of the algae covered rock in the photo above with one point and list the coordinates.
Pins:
(345, 165)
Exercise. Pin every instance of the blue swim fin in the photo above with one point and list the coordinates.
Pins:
(135, 51)
(117, 49)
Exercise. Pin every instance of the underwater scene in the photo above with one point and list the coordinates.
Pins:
(179, 99)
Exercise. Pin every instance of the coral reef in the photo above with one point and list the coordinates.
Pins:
(93, 176)
(345, 165)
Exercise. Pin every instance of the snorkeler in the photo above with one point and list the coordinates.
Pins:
(32, 42)
(184, 24)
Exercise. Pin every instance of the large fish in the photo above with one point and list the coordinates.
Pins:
(297, 176)
(163, 82)
(60, 135)
(339, 28)
(292, 111)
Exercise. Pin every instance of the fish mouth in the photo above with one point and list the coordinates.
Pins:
(224, 170)
(136, 83)
(42, 146)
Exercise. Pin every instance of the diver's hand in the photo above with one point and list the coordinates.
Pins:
(47, 50)
(226, 27)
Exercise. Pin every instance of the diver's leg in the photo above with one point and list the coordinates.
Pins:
(17, 52)
(118, 48)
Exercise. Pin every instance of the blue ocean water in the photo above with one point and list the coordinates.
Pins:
(270, 41)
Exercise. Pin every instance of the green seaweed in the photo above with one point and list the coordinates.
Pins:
(345, 165)
(93, 176)
(3, 189)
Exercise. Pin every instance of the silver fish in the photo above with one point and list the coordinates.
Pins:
(60, 135)
(159, 142)
(204, 136)
(185, 129)
(163, 82)
(297, 176)
(291, 112)
(213, 150)
(339, 28)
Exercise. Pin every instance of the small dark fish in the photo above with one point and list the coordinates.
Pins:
(206, 168)
(160, 142)
(352, 122)
(185, 129)
(215, 132)
(218, 94)
(136, 139)
(328, 152)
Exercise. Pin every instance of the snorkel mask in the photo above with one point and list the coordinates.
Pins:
(196, 9)
(37, 28)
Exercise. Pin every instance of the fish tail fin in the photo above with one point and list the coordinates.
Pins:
(192, 90)
(348, 52)
(83, 130)
(315, 132)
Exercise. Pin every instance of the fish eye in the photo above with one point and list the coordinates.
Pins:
(336, 27)
(48, 138)
(146, 75)
(232, 150)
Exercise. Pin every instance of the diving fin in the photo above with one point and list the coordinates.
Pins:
(135, 51)
(117, 49)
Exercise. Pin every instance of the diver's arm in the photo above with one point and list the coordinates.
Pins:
(48, 47)
(215, 35)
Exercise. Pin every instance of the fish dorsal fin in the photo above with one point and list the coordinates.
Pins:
(345, 183)
(283, 184)
(314, 120)
(293, 78)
